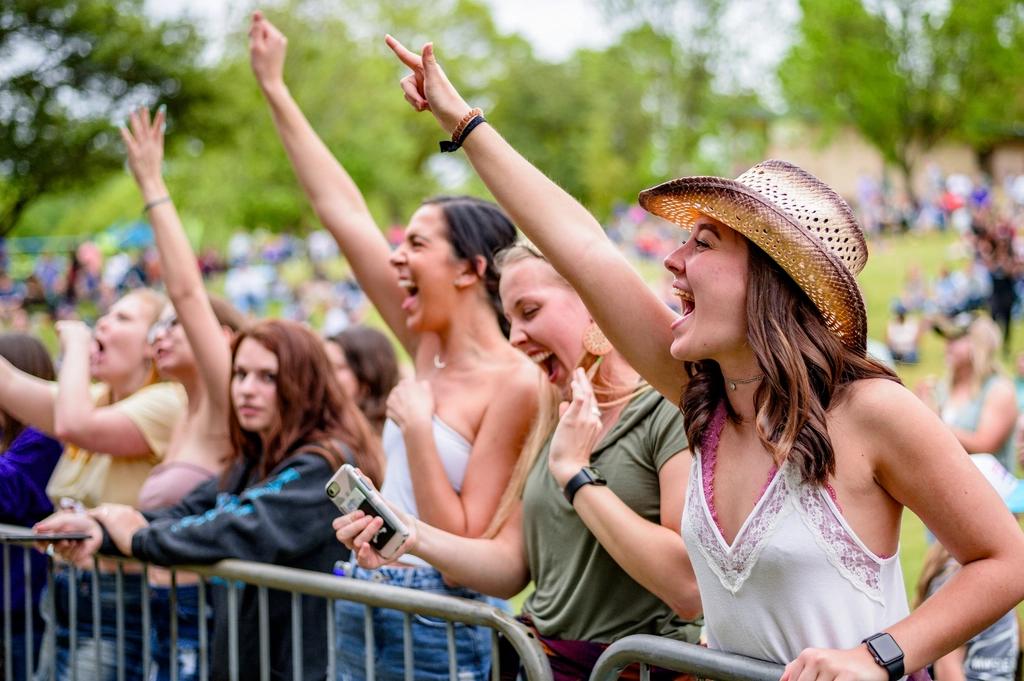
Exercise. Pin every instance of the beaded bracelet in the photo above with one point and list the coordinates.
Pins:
(472, 119)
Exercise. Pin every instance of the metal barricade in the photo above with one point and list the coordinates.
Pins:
(264, 577)
(681, 657)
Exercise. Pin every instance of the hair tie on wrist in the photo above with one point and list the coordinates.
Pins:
(462, 130)
(156, 202)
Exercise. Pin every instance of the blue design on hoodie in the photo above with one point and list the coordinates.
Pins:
(239, 505)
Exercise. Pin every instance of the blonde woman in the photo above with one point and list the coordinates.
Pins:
(574, 542)
(975, 399)
(115, 431)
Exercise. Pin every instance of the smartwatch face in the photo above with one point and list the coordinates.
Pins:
(886, 648)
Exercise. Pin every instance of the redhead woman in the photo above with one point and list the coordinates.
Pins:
(806, 451)
(455, 432)
(292, 427)
(596, 542)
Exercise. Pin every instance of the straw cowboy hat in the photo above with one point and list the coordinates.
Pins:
(794, 217)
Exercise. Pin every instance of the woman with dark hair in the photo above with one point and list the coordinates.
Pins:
(291, 427)
(806, 450)
(27, 459)
(454, 434)
(364, 362)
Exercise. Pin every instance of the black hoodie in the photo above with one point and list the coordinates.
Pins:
(284, 520)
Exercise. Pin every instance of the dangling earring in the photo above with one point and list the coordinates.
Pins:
(595, 342)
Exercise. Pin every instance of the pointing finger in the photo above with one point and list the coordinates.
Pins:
(410, 59)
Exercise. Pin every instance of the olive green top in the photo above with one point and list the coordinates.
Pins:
(581, 592)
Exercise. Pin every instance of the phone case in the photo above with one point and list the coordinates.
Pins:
(350, 492)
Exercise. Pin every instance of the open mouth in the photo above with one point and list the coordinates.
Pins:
(685, 300)
(96, 350)
(547, 361)
(412, 292)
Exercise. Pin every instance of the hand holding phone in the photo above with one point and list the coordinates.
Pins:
(350, 492)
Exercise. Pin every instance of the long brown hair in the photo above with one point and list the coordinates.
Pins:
(805, 368)
(312, 407)
(28, 354)
(371, 357)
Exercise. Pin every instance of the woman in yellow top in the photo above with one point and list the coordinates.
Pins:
(116, 430)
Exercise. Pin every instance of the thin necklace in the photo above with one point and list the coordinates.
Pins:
(733, 384)
(438, 364)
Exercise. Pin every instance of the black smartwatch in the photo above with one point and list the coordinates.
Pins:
(586, 476)
(887, 653)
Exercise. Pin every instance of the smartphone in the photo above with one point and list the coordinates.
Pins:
(45, 537)
(350, 492)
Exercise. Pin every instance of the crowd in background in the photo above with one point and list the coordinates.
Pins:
(185, 427)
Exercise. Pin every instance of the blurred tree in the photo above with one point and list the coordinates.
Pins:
(346, 80)
(68, 71)
(704, 120)
(907, 76)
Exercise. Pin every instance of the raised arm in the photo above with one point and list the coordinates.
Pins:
(631, 315)
(77, 419)
(335, 198)
(27, 398)
(178, 265)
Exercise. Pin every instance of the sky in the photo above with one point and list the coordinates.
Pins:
(554, 27)
(761, 32)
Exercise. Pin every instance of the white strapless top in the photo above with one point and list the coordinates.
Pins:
(454, 451)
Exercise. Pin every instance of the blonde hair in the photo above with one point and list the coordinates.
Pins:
(936, 564)
(546, 421)
(986, 342)
(153, 303)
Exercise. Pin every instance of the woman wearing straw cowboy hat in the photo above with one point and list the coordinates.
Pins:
(807, 451)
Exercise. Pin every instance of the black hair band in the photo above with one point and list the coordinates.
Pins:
(448, 147)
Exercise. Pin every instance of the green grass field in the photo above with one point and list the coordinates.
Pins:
(881, 281)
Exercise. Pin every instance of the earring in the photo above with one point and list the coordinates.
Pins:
(595, 342)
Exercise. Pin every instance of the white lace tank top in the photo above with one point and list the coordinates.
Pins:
(454, 451)
(795, 577)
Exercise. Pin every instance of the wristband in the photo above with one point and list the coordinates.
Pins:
(462, 130)
(155, 202)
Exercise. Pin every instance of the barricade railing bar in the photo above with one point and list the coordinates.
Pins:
(264, 576)
(687, 658)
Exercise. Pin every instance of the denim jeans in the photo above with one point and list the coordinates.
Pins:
(429, 635)
(188, 632)
(18, 652)
(86, 651)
